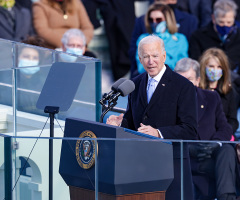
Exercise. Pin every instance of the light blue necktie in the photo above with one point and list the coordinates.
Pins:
(150, 89)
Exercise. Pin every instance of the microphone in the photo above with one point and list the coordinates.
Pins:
(123, 89)
(114, 89)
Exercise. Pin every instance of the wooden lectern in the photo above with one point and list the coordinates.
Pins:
(131, 166)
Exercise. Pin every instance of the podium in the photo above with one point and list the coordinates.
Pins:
(131, 166)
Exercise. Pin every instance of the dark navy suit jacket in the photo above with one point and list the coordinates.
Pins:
(172, 109)
(212, 122)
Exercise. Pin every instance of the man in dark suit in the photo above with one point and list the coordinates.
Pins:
(213, 165)
(163, 104)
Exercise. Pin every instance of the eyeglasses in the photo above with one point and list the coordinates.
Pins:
(158, 20)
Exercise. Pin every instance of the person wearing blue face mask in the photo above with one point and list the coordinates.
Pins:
(221, 33)
(74, 42)
(160, 21)
(28, 60)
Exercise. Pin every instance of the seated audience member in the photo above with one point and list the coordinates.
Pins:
(160, 21)
(186, 23)
(52, 18)
(215, 75)
(221, 33)
(16, 21)
(213, 166)
(74, 42)
(30, 77)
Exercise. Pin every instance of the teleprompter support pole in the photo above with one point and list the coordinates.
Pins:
(52, 110)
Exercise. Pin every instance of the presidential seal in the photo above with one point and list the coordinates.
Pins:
(86, 150)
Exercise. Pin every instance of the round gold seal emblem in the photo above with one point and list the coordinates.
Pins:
(86, 150)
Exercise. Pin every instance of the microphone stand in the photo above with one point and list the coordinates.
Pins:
(106, 109)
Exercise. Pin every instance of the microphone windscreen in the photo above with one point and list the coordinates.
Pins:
(117, 83)
(126, 87)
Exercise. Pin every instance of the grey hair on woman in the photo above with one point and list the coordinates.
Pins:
(186, 64)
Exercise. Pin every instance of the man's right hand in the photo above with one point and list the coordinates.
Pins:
(115, 120)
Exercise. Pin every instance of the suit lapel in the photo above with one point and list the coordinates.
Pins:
(143, 90)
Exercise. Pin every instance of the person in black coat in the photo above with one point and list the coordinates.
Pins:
(187, 23)
(171, 112)
(118, 16)
(215, 76)
(221, 33)
(15, 23)
(213, 167)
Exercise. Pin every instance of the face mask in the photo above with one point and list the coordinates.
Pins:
(27, 63)
(76, 51)
(161, 27)
(213, 74)
(223, 30)
(7, 4)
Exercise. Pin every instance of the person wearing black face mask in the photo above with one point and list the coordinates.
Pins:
(221, 33)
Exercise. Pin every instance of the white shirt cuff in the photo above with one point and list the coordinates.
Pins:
(160, 134)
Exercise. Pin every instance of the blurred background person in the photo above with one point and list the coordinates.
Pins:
(202, 9)
(74, 42)
(213, 166)
(15, 21)
(52, 18)
(118, 17)
(160, 21)
(187, 24)
(222, 33)
(215, 75)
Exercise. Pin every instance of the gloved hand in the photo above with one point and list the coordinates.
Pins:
(202, 151)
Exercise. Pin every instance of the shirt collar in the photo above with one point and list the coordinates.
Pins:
(159, 76)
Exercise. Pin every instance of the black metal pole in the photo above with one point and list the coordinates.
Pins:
(8, 167)
(51, 115)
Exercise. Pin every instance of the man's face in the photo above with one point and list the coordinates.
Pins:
(152, 58)
(191, 76)
(75, 42)
(227, 20)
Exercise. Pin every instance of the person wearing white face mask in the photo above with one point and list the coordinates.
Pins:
(215, 75)
(74, 42)
(160, 21)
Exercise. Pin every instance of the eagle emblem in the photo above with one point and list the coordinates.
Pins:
(86, 149)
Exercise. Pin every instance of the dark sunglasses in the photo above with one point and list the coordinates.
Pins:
(158, 20)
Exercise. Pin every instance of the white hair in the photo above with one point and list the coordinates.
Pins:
(73, 32)
(221, 7)
(150, 39)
